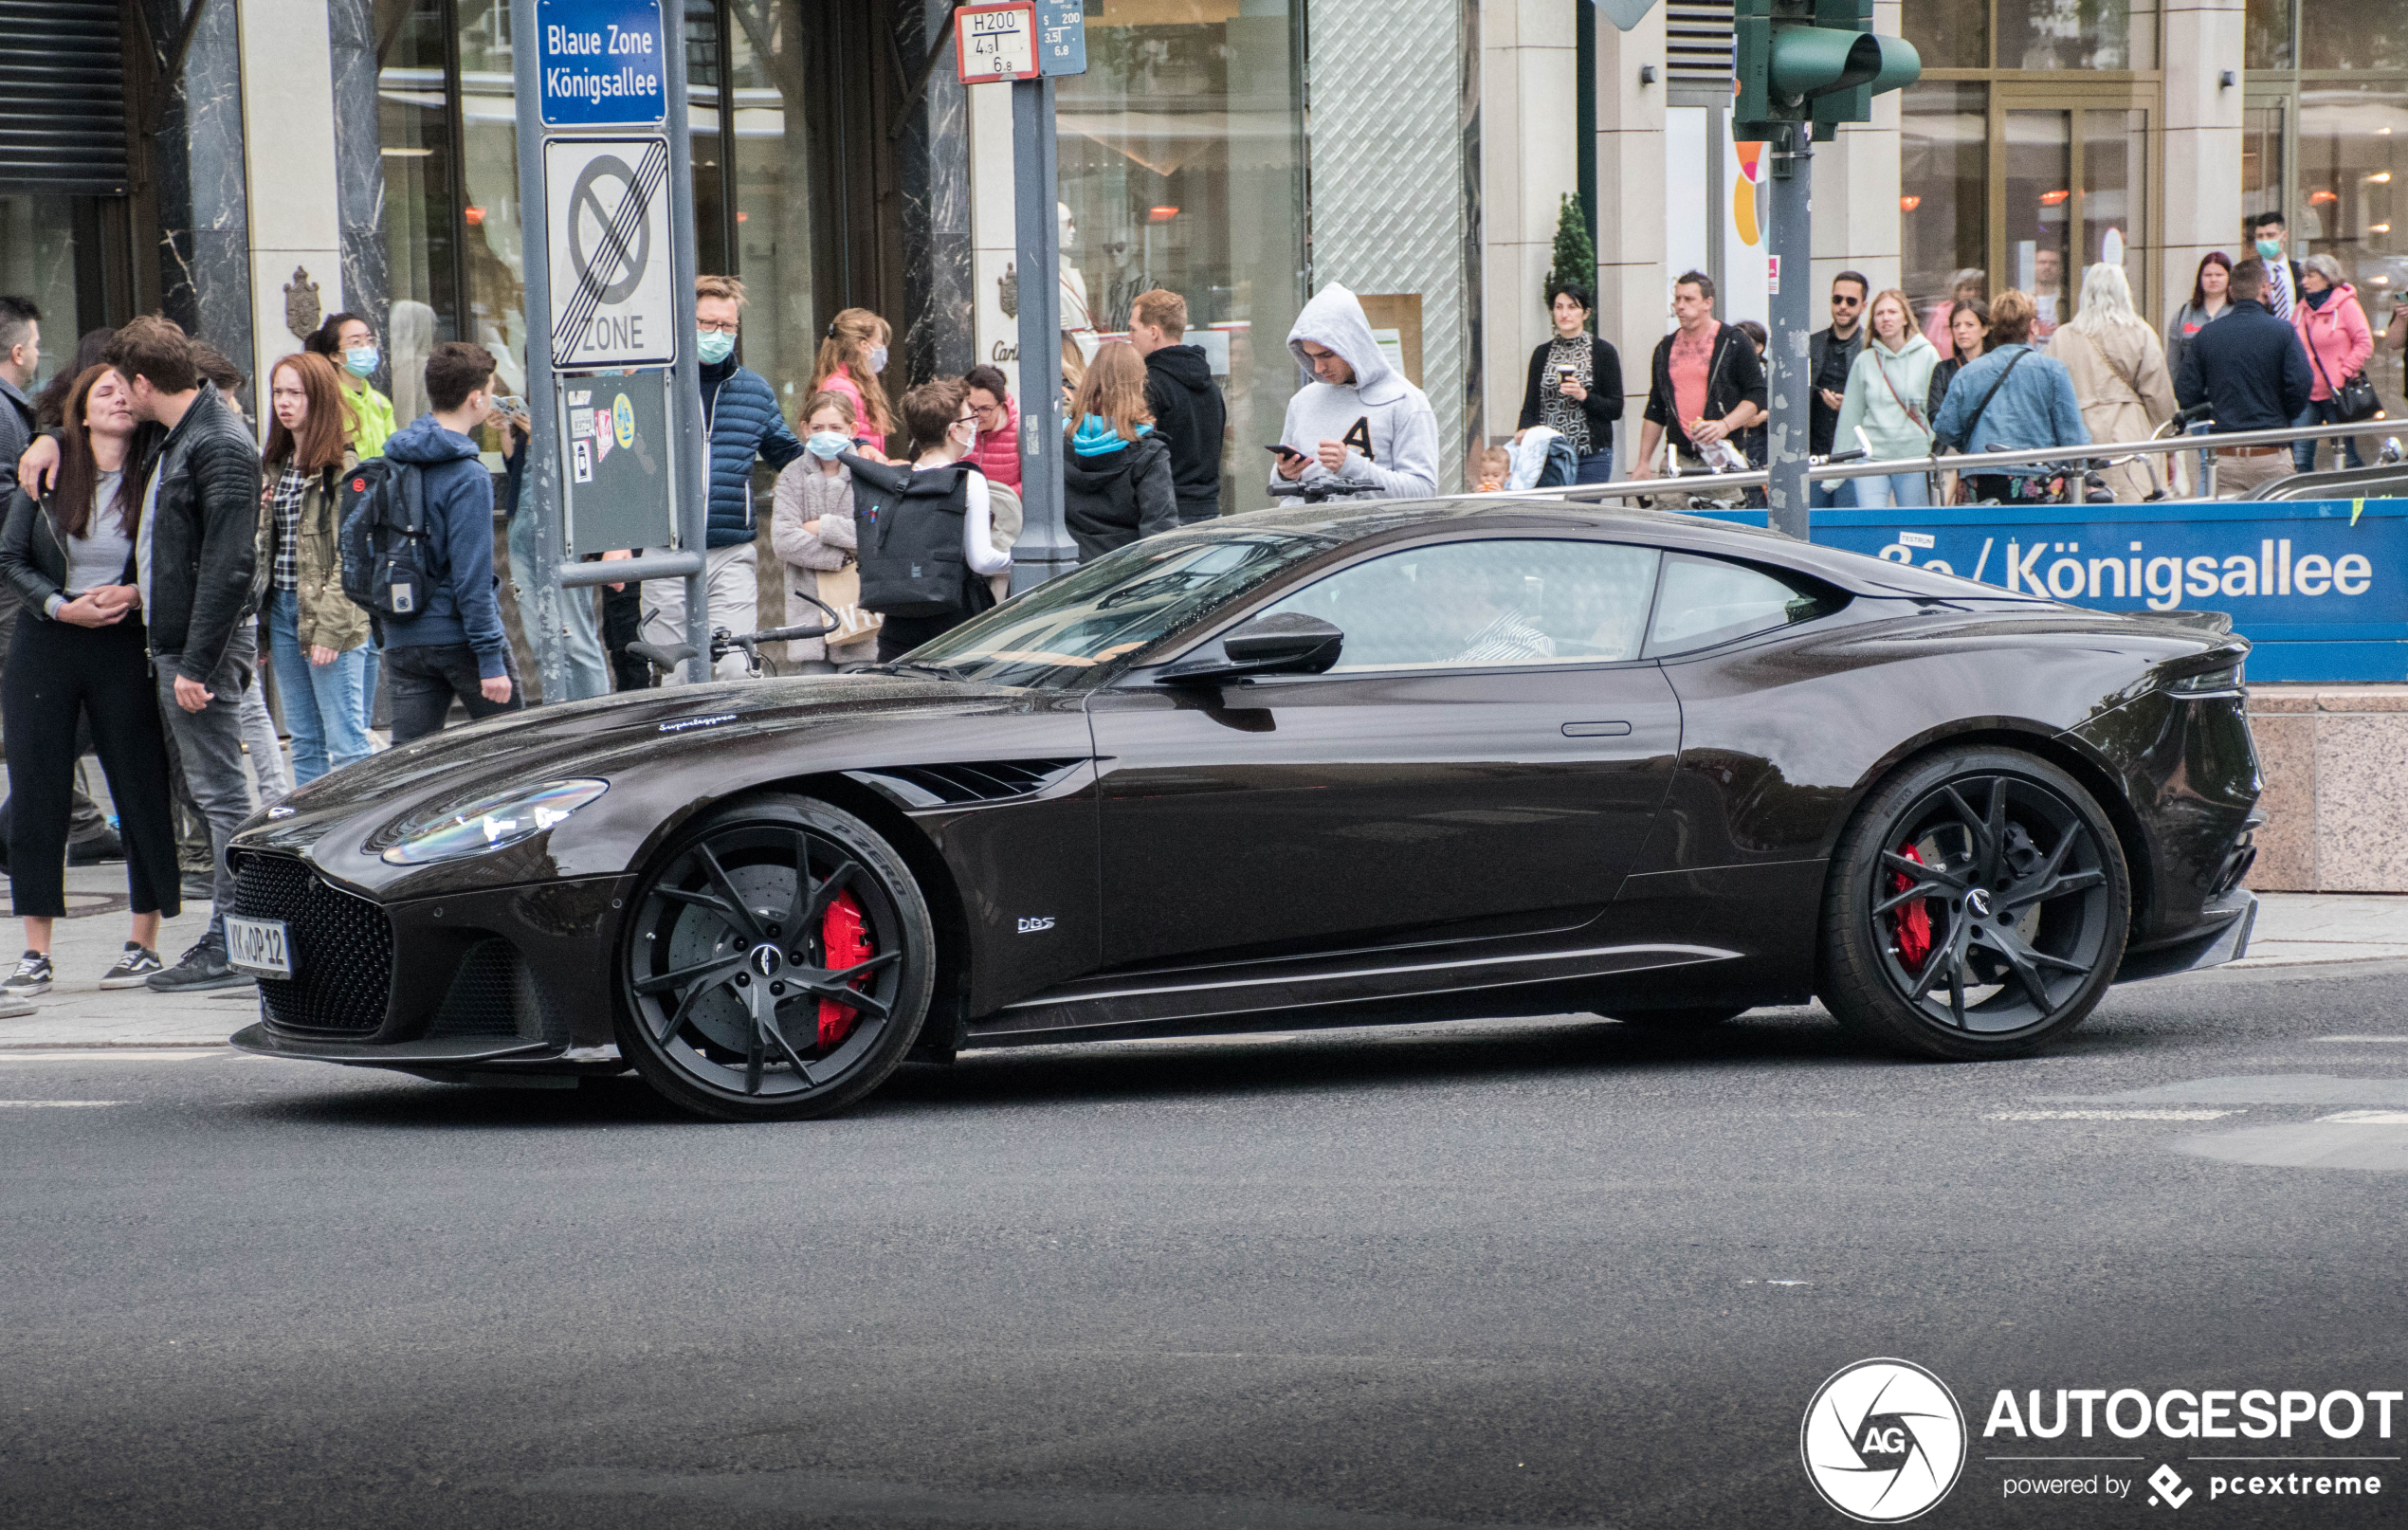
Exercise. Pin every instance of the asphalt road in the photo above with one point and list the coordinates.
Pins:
(1540, 1273)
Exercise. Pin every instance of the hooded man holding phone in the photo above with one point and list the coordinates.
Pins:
(1358, 420)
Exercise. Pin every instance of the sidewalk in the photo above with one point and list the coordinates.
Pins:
(2292, 929)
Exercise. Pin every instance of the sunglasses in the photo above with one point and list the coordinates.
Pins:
(1847, 303)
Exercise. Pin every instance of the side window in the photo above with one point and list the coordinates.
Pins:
(1705, 601)
(1477, 605)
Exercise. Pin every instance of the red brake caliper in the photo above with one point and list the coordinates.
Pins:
(1913, 920)
(846, 943)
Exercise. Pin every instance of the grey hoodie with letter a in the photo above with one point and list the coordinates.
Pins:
(1391, 436)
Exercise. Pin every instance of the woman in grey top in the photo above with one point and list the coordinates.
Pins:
(80, 649)
(1575, 386)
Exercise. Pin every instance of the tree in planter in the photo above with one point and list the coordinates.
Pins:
(1576, 256)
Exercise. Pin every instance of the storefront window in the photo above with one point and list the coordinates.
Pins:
(2077, 35)
(2261, 161)
(1949, 34)
(2361, 36)
(37, 262)
(2040, 213)
(1945, 186)
(773, 155)
(2267, 35)
(2353, 170)
(413, 142)
(1181, 168)
(496, 317)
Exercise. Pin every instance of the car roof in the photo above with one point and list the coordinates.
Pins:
(1404, 520)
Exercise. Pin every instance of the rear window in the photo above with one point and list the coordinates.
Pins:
(1703, 601)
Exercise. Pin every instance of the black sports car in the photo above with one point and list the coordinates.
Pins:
(1296, 767)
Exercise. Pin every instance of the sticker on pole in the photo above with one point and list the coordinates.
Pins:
(607, 214)
(995, 43)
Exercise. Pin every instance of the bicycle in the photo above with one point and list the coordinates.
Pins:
(666, 658)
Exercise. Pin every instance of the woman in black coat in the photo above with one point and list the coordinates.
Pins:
(1575, 386)
(1116, 472)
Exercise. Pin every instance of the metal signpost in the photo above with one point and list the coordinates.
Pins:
(609, 280)
(989, 44)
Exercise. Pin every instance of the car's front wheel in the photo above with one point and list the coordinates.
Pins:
(777, 964)
(1977, 907)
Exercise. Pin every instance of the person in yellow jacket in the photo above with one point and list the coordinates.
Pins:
(349, 342)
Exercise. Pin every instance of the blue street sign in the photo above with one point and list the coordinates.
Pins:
(603, 63)
(1062, 37)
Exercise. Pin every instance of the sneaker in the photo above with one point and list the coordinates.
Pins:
(105, 845)
(203, 967)
(134, 969)
(32, 976)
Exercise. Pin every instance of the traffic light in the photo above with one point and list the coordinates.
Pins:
(1813, 60)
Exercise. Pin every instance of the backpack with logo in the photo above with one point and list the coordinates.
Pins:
(386, 555)
(908, 527)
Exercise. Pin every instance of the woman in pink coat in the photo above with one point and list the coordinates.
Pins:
(2333, 328)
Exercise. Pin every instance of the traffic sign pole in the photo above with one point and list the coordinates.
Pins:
(686, 391)
(1044, 548)
(1790, 242)
(540, 483)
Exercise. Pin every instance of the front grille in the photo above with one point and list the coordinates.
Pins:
(342, 947)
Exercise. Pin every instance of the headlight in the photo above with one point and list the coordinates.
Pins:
(492, 822)
(2210, 683)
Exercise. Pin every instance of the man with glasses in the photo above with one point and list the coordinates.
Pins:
(741, 419)
(1831, 352)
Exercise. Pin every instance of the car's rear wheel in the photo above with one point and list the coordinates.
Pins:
(1977, 907)
(777, 964)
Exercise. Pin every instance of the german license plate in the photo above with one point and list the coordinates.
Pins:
(258, 946)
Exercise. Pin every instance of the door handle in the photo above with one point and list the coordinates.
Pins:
(1595, 730)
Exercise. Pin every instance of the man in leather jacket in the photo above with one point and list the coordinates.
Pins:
(196, 559)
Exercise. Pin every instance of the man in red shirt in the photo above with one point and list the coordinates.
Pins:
(1708, 382)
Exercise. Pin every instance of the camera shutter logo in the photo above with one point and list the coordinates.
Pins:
(1883, 1441)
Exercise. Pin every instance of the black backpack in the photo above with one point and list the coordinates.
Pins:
(908, 526)
(385, 550)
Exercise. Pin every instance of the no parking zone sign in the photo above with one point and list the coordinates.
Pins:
(607, 218)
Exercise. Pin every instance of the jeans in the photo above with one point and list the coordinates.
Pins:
(588, 673)
(1906, 490)
(209, 745)
(425, 677)
(2325, 411)
(368, 670)
(2303, 453)
(321, 702)
(1838, 493)
(1597, 468)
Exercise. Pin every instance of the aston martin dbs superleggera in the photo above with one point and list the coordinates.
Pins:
(1292, 768)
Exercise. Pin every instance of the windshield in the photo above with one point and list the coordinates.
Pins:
(1069, 630)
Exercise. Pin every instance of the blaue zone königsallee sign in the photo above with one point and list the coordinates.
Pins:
(2321, 586)
(602, 63)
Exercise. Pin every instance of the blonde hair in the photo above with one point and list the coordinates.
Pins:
(1905, 312)
(828, 398)
(2106, 303)
(847, 344)
(2011, 316)
(1113, 388)
(729, 287)
(1164, 309)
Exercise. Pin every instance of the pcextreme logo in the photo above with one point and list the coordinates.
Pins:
(1884, 1440)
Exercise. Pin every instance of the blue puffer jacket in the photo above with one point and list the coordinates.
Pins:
(744, 423)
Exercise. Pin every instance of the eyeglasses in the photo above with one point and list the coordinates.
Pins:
(728, 327)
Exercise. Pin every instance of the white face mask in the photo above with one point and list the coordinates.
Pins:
(876, 359)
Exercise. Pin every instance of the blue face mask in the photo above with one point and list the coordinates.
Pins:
(360, 362)
(714, 346)
(828, 445)
(2269, 248)
(876, 359)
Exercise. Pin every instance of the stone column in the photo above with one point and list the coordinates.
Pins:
(1633, 305)
(934, 332)
(195, 163)
(1529, 61)
(363, 284)
(994, 239)
(2202, 194)
(1856, 180)
(289, 109)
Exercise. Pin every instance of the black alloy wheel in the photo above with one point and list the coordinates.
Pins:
(1977, 907)
(777, 963)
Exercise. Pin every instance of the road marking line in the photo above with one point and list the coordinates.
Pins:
(113, 1054)
(2364, 1038)
(2369, 1117)
(54, 1104)
(2113, 1115)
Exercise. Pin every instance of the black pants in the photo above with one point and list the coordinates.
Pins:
(623, 623)
(55, 670)
(421, 680)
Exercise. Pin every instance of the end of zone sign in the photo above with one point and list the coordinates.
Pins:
(606, 223)
(603, 63)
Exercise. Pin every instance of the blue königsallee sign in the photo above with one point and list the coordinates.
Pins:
(2321, 586)
(603, 63)
(1062, 37)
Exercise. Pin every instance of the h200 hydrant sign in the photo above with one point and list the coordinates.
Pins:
(995, 42)
(613, 295)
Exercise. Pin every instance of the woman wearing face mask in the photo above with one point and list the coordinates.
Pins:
(812, 528)
(2333, 328)
(851, 357)
(349, 342)
(316, 637)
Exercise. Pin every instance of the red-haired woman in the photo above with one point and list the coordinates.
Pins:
(80, 647)
(318, 638)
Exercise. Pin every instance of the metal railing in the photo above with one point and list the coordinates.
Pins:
(2010, 460)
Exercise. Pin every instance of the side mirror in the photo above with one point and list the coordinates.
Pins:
(1283, 643)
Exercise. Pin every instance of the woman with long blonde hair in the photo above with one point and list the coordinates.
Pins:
(2118, 366)
(1116, 472)
(851, 356)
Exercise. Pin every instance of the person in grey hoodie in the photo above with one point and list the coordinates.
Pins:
(1360, 420)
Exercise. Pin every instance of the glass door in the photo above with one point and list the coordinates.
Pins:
(2071, 191)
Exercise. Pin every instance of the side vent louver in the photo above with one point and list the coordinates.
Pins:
(972, 781)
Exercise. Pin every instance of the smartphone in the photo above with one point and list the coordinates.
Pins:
(1282, 449)
(1567, 374)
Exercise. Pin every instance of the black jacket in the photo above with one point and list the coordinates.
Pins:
(1604, 404)
(204, 537)
(34, 556)
(1942, 376)
(1734, 374)
(2251, 366)
(16, 431)
(1191, 417)
(1822, 421)
(1114, 498)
